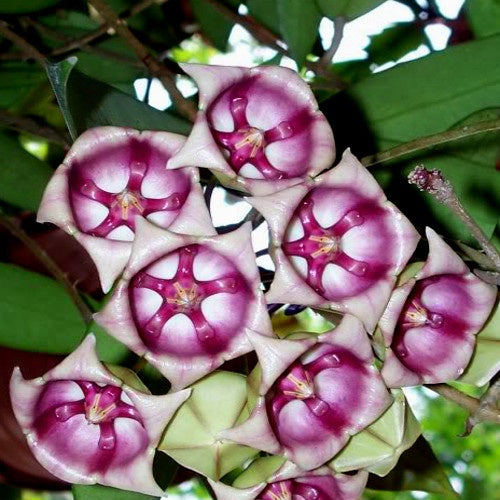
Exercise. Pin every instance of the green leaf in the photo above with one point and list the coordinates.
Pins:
(485, 360)
(45, 320)
(483, 16)
(37, 314)
(26, 6)
(213, 24)
(98, 492)
(347, 8)
(299, 23)
(395, 41)
(23, 177)
(18, 81)
(87, 103)
(417, 469)
(266, 12)
(421, 98)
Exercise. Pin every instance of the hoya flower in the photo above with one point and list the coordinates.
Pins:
(431, 321)
(272, 478)
(259, 130)
(337, 242)
(110, 176)
(186, 302)
(325, 394)
(85, 426)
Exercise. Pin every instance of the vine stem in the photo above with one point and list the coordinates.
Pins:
(430, 141)
(156, 68)
(49, 264)
(25, 46)
(481, 412)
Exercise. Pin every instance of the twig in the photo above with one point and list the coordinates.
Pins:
(77, 43)
(472, 405)
(56, 35)
(430, 141)
(28, 49)
(488, 403)
(31, 126)
(253, 216)
(267, 37)
(49, 264)
(155, 67)
(434, 183)
(338, 33)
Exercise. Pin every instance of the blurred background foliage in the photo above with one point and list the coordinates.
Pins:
(386, 73)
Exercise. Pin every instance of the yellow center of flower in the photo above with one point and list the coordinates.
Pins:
(254, 137)
(95, 414)
(185, 298)
(127, 198)
(328, 245)
(283, 495)
(303, 388)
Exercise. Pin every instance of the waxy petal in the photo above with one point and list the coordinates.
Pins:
(85, 426)
(187, 341)
(337, 242)
(265, 119)
(430, 323)
(112, 174)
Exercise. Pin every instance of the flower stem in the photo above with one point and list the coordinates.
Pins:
(49, 264)
(430, 141)
(434, 183)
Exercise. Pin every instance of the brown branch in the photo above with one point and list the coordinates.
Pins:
(267, 37)
(472, 405)
(31, 126)
(155, 67)
(26, 47)
(489, 402)
(430, 141)
(338, 33)
(56, 35)
(78, 43)
(49, 264)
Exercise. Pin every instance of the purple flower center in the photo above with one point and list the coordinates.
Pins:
(101, 406)
(184, 294)
(126, 204)
(321, 246)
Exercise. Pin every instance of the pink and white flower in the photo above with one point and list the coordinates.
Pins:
(258, 129)
(431, 321)
(186, 302)
(85, 426)
(110, 176)
(289, 482)
(326, 393)
(337, 242)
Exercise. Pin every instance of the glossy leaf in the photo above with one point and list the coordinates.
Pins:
(98, 492)
(18, 81)
(299, 23)
(22, 176)
(44, 319)
(213, 23)
(87, 103)
(417, 469)
(347, 8)
(26, 6)
(426, 97)
(483, 16)
(266, 12)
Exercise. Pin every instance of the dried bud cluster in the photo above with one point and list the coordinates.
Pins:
(187, 300)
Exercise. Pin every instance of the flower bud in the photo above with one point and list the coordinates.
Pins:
(85, 426)
(431, 321)
(259, 130)
(337, 242)
(187, 302)
(110, 176)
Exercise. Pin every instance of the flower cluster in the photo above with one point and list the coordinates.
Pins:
(188, 299)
